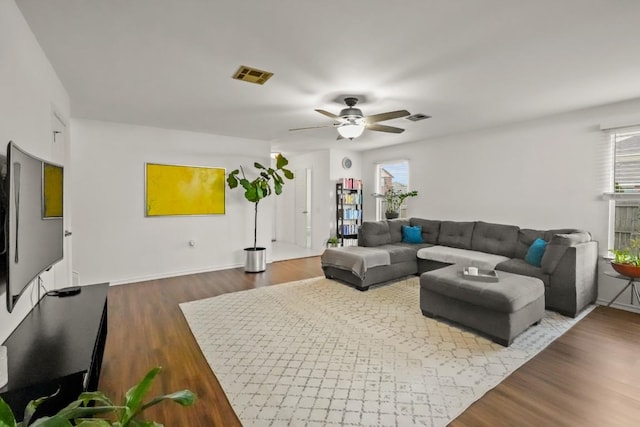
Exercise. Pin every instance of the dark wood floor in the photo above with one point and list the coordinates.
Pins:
(588, 377)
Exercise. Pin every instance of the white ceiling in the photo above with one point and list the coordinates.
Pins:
(470, 64)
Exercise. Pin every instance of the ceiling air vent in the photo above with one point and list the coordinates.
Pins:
(252, 75)
(417, 117)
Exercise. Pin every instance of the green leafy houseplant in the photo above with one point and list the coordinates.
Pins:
(626, 261)
(629, 255)
(269, 181)
(394, 199)
(80, 413)
(333, 241)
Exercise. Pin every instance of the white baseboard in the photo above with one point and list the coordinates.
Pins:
(170, 274)
(619, 305)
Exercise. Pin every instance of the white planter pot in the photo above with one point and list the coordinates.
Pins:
(255, 259)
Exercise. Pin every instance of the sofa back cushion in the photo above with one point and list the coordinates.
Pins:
(456, 234)
(495, 239)
(395, 229)
(526, 237)
(374, 233)
(430, 229)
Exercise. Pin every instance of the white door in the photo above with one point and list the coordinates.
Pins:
(303, 207)
(62, 270)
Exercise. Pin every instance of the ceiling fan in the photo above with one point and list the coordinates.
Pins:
(351, 122)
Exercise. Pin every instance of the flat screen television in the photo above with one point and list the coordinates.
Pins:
(32, 229)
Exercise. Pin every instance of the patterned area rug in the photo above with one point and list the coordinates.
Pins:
(319, 353)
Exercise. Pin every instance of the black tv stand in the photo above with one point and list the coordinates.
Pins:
(58, 345)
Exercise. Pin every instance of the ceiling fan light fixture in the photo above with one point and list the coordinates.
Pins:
(351, 130)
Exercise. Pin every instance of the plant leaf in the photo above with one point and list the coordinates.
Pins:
(136, 423)
(54, 421)
(33, 405)
(258, 165)
(287, 173)
(134, 396)
(182, 397)
(231, 180)
(95, 396)
(6, 415)
(281, 161)
(94, 423)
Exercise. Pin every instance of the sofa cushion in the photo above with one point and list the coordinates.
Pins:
(461, 256)
(526, 237)
(412, 234)
(520, 266)
(558, 245)
(536, 252)
(374, 233)
(395, 229)
(495, 239)
(400, 252)
(571, 239)
(456, 234)
(430, 229)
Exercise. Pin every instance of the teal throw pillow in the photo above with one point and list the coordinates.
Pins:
(536, 252)
(412, 234)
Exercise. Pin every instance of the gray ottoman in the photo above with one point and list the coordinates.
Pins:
(502, 309)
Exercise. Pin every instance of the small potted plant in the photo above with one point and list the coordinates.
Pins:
(626, 261)
(333, 242)
(268, 181)
(394, 200)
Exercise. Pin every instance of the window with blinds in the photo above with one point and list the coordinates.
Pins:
(626, 179)
(627, 162)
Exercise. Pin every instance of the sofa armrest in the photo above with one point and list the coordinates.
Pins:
(573, 281)
(557, 247)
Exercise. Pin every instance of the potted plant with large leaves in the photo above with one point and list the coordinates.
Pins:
(269, 181)
(393, 201)
(90, 407)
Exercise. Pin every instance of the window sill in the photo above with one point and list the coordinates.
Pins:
(621, 196)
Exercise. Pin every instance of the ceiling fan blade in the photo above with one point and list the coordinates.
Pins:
(328, 114)
(384, 128)
(314, 127)
(386, 116)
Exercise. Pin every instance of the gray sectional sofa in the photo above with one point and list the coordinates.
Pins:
(568, 268)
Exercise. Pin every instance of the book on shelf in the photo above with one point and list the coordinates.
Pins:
(350, 242)
(351, 183)
(349, 229)
(352, 199)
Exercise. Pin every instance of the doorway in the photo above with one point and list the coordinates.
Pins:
(59, 144)
(303, 208)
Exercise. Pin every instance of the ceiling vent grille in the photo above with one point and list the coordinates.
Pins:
(417, 117)
(252, 75)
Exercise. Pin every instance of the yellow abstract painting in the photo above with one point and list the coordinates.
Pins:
(184, 190)
(52, 184)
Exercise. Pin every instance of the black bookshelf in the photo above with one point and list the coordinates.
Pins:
(58, 346)
(348, 211)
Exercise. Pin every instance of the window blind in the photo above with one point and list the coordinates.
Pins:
(627, 161)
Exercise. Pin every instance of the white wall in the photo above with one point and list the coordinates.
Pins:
(30, 92)
(113, 240)
(546, 173)
(318, 163)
